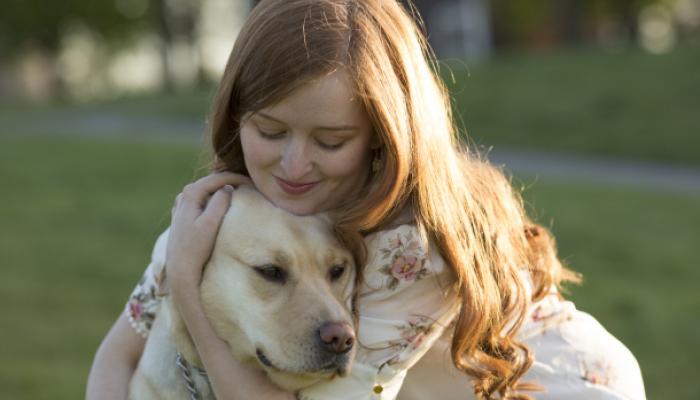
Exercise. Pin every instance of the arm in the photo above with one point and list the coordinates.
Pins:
(196, 218)
(115, 362)
(119, 353)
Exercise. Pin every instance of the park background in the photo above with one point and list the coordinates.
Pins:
(593, 106)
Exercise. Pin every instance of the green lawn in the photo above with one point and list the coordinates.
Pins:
(79, 217)
(631, 104)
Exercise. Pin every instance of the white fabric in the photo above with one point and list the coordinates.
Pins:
(575, 358)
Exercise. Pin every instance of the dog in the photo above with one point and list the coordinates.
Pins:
(277, 289)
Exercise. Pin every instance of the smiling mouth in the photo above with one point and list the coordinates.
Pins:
(295, 188)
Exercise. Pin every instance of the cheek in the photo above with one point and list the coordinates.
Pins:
(255, 152)
(349, 163)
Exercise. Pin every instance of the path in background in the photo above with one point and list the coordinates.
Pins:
(603, 170)
(541, 165)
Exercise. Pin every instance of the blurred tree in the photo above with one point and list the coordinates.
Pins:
(38, 25)
(41, 22)
(531, 23)
(548, 23)
(571, 20)
(176, 21)
(623, 11)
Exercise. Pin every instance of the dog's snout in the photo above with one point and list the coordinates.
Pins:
(338, 337)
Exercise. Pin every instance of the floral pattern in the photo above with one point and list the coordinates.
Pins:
(403, 259)
(415, 330)
(598, 371)
(143, 303)
(412, 335)
(569, 345)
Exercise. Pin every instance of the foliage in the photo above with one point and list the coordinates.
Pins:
(41, 23)
(543, 23)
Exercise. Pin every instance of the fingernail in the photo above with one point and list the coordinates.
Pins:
(228, 188)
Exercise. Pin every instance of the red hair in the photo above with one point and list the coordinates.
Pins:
(466, 206)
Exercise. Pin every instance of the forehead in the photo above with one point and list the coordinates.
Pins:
(324, 101)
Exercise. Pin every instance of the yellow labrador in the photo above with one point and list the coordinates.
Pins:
(277, 289)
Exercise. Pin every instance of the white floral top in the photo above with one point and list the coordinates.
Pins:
(405, 304)
(575, 359)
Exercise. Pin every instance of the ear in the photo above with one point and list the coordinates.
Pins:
(376, 142)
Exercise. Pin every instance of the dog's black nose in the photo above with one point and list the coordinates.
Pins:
(338, 337)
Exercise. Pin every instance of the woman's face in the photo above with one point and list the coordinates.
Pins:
(311, 151)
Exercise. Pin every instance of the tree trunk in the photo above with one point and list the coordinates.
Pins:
(165, 33)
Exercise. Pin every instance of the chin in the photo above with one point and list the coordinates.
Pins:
(299, 209)
(297, 206)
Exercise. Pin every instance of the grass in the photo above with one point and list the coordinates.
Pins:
(636, 253)
(79, 217)
(629, 104)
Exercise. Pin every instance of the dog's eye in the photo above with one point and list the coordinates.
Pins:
(272, 273)
(336, 272)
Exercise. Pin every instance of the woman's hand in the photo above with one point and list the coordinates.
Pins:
(196, 218)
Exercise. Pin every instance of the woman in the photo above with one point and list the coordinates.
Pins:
(332, 106)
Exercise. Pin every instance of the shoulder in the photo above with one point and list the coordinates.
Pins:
(400, 256)
(144, 301)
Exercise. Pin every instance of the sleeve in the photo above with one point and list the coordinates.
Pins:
(576, 357)
(145, 299)
(406, 302)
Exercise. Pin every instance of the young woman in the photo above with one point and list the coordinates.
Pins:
(332, 106)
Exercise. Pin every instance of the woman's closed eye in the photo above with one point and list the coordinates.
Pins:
(271, 135)
(330, 145)
(324, 143)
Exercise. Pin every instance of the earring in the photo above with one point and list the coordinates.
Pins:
(377, 160)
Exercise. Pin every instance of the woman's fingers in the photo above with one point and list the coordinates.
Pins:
(219, 203)
(199, 192)
(193, 232)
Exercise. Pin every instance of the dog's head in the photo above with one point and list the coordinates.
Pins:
(278, 289)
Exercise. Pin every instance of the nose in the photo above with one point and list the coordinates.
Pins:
(295, 161)
(338, 337)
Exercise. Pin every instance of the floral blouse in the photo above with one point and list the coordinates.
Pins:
(406, 303)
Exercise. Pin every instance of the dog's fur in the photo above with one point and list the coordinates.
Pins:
(268, 323)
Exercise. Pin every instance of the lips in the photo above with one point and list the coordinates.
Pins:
(295, 188)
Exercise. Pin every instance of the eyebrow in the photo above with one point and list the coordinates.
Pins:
(322, 128)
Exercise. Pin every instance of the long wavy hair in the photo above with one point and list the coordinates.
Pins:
(460, 202)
